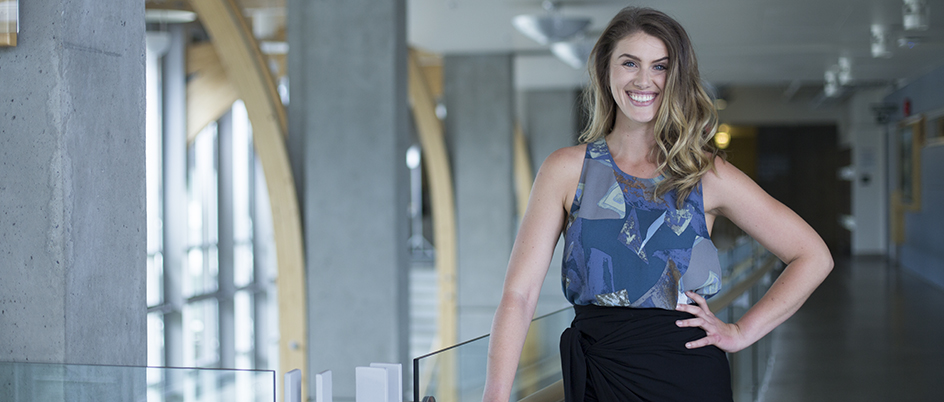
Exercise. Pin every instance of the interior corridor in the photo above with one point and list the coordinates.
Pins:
(871, 332)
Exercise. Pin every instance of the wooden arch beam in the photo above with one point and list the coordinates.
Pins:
(209, 92)
(248, 72)
(443, 207)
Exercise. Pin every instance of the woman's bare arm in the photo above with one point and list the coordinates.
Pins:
(530, 257)
(730, 193)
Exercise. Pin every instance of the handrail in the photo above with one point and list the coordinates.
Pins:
(555, 391)
(550, 393)
(724, 299)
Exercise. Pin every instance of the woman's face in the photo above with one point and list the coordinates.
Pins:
(638, 68)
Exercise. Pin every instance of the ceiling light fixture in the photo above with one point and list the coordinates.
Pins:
(844, 71)
(551, 27)
(880, 42)
(915, 15)
(574, 53)
(168, 16)
(723, 136)
(831, 88)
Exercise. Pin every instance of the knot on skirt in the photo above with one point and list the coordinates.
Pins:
(631, 354)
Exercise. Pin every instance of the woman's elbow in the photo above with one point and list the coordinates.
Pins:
(823, 260)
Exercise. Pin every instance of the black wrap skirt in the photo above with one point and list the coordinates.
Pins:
(622, 354)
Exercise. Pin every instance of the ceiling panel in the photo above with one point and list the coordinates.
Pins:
(765, 42)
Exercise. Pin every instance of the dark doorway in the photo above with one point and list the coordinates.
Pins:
(799, 166)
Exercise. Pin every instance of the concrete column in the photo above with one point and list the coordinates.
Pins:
(72, 188)
(348, 86)
(480, 118)
(550, 122)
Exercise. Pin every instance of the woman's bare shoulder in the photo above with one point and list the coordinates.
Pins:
(559, 175)
(721, 170)
(725, 182)
(566, 158)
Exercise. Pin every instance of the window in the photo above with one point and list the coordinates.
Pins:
(223, 279)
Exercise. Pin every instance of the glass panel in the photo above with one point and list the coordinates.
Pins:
(458, 373)
(212, 269)
(202, 188)
(28, 382)
(242, 264)
(155, 279)
(201, 214)
(731, 258)
(155, 331)
(200, 334)
(243, 321)
(242, 164)
(194, 273)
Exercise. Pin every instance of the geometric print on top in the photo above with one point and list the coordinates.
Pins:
(624, 248)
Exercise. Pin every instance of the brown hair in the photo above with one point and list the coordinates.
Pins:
(686, 120)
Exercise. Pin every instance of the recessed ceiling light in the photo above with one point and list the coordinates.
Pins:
(162, 16)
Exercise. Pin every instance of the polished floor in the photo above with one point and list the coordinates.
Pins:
(871, 332)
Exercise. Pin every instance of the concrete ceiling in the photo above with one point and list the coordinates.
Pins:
(787, 43)
(739, 42)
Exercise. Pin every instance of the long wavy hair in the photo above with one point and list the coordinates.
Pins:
(686, 120)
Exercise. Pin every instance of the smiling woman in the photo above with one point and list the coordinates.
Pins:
(637, 76)
(635, 204)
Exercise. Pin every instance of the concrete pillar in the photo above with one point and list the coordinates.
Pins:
(869, 187)
(480, 118)
(72, 188)
(348, 88)
(550, 122)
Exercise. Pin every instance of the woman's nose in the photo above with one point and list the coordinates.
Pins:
(642, 80)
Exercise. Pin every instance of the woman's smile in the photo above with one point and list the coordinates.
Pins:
(638, 69)
(642, 98)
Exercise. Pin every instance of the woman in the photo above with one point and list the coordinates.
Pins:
(636, 203)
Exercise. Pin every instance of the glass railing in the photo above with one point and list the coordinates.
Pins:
(29, 382)
(458, 373)
(747, 281)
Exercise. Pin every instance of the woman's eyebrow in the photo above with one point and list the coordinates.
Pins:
(666, 58)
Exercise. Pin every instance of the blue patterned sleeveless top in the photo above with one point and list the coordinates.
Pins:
(622, 247)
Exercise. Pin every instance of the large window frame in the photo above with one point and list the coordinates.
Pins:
(211, 272)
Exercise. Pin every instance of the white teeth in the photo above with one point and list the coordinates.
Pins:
(642, 98)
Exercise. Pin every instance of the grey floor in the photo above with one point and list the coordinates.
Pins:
(871, 332)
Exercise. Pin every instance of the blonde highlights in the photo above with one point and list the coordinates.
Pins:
(686, 120)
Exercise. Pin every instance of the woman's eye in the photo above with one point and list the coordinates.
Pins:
(660, 67)
(629, 64)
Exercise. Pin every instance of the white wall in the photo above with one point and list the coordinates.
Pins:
(857, 129)
(869, 200)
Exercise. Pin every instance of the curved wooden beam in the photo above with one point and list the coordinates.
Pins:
(209, 92)
(524, 174)
(248, 72)
(443, 208)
